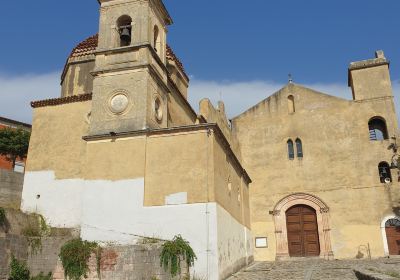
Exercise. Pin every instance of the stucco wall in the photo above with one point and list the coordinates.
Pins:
(340, 164)
(77, 79)
(56, 141)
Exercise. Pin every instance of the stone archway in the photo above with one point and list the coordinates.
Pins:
(322, 211)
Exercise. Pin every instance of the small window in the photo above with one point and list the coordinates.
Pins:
(156, 39)
(385, 175)
(291, 106)
(19, 167)
(124, 24)
(377, 129)
(299, 148)
(290, 149)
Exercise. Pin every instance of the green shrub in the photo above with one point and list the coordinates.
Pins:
(41, 276)
(18, 270)
(75, 255)
(173, 252)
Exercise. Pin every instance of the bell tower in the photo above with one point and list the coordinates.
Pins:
(130, 75)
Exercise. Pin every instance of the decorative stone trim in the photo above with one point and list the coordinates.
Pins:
(62, 100)
(323, 220)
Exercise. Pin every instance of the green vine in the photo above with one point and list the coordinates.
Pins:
(173, 252)
(75, 255)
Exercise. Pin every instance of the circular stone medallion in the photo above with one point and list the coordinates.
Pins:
(119, 103)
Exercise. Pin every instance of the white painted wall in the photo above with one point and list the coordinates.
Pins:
(234, 244)
(113, 211)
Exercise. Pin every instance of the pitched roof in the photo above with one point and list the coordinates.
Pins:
(89, 45)
(10, 122)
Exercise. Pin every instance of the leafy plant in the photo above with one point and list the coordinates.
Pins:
(3, 218)
(41, 276)
(74, 257)
(14, 143)
(173, 252)
(18, 270)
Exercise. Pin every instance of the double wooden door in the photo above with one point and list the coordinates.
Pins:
(302, 231)
(393, 236)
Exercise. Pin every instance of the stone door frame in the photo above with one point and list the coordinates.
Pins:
(323, 221)
(383, 231)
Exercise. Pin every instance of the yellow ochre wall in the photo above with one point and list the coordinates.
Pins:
(195, 161)
(340, 164)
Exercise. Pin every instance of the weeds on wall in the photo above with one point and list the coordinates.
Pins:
(173, 252)
(34, 234)
(20, 271)
(75, 255)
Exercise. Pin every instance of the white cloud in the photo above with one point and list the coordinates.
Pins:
(16, 93)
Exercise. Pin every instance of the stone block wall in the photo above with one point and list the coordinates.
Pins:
(10, 188)
(137, 262)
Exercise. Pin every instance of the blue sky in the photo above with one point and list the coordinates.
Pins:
(222, 43)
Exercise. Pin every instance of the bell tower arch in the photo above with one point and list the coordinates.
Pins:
(130, 75)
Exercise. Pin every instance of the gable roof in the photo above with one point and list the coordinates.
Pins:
(292, 87)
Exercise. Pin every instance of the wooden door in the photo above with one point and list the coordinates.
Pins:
(302, 231)
(393, 236)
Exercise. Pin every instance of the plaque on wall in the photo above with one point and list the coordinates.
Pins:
(261, 242)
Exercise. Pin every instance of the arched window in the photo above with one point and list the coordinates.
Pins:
(156, 39)
(385, 175)
(299, 148)
(290, 149)
(124, 24)
(291, 106)
(377, 129)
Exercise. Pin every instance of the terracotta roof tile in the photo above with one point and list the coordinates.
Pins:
(61, 101)
(86, 47)
(171, 56)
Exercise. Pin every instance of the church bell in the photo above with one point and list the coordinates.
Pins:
(125, 34)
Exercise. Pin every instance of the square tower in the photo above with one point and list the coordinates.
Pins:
(130, 75)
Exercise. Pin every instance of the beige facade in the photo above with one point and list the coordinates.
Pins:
(126, 155)
(337, 173)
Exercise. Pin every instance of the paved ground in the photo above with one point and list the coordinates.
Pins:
(314, 269)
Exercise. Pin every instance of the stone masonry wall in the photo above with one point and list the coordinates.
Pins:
(10, 189)
(137, 262)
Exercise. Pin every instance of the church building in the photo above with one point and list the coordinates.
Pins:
(122, 155)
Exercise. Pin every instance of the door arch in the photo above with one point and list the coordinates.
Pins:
(390, 228)
(302, 231)
(323, 221)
